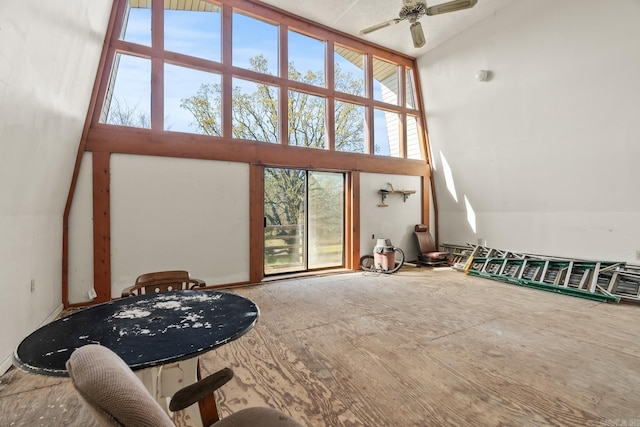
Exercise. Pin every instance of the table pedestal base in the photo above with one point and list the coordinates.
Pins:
(164, 381)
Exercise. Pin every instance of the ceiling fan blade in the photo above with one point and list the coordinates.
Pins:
(417, 35)
(451, 6)
(379, 26)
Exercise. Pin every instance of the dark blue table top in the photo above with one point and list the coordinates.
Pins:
(145, 331)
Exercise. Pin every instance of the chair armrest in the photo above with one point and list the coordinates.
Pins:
(126, 292)
(196, 283)
(193, 393)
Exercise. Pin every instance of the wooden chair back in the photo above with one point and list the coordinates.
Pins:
(163, 281)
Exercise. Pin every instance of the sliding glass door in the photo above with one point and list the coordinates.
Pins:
(304, 220)
(325, 220)
(284, 220)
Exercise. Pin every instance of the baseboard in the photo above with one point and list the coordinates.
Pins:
(8, 362)
(53, 316)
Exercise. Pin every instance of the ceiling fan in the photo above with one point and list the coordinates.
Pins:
(416, 9)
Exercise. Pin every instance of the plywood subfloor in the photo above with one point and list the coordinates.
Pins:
(422, 347)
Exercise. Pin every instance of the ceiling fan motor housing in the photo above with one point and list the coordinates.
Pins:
(414, 11)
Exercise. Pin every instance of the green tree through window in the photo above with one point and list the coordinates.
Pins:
(255, 113)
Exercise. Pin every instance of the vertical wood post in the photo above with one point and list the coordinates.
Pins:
(101, 227)
(353, 222)
(256, 223)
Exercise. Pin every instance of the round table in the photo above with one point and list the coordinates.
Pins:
(145, 331)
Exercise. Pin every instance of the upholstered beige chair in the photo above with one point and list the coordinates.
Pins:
(117, 397)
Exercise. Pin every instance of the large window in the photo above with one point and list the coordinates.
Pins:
(350, 125)
(255, 111)
(271, 82)
(306, 59)
(306, 120)
(128, 99)
(255, 44)
(385, 81)
(195, 30)
(386, 133)
(414, 148)
(136, 25)
(183, 107)
(349, 68)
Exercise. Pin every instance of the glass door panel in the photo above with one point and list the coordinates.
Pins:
(325, 220)
(284, 220)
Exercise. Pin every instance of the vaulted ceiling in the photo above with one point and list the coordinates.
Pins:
(352, 16)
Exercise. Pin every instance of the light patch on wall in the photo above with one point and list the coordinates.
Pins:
(448, 177)
(471, 214)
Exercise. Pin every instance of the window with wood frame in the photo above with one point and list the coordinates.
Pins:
(237, 71)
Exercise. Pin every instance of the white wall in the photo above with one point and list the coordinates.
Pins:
(179, 214)
(396, 221)
(168, 214)
(49, 53)
(194, 215)
(81, 235)
(546, 151)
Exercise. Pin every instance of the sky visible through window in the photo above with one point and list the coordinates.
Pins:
(194, 33)
(253, 37)
(199, 34)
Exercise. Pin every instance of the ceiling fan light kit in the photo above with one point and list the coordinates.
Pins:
(413, 10)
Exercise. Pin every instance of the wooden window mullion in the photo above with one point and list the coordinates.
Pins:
(157, 65)
(369, 111)
(283, 69)
(227, 77)
(331, 101)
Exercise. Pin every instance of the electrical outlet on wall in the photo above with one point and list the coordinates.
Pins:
(33, 285)
(92, 293)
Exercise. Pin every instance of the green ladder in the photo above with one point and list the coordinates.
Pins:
(593, 280)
